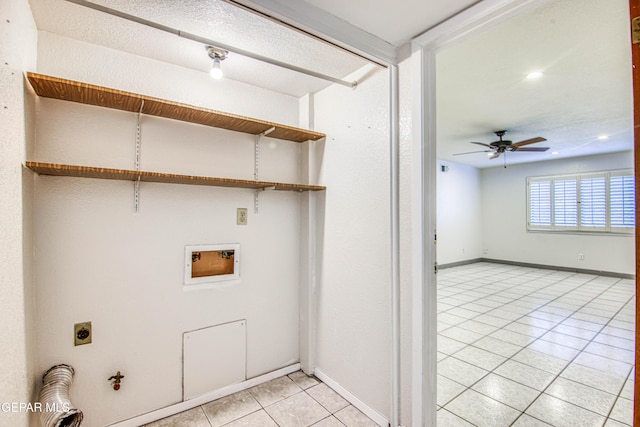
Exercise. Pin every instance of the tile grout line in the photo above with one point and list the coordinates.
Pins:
(578, 287)
(618, 396)
(529, 313)
(606, 418)
(550, 273)
(331, 414)
(513, 321)
(518, 318)
(518, 299)
(206, 417)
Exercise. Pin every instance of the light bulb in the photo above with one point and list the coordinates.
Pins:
(216, 71)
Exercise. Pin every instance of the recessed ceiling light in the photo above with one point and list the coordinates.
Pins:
(603, 137)
(535, 75)
(555, 152)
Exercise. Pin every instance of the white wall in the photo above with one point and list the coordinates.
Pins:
(353, 295)
(97, 260)
(112, 68)
(17, 53)
(504, 217)
(459, 213)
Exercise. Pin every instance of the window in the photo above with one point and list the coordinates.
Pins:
(600, 202)
(622, 197)
(565, 206)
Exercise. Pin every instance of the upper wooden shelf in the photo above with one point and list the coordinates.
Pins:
(132, 175)
(69, 90)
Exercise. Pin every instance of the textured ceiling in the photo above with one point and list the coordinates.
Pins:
(583, 48)
(211, 19)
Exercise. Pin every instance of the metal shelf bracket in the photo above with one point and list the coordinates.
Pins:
(136, 184)
(256, 167)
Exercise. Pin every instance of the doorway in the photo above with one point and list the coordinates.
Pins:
(432, 44)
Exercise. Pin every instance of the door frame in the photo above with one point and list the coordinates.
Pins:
(423, 286)
(634, 8)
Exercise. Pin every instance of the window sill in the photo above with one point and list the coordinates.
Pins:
(584, 233)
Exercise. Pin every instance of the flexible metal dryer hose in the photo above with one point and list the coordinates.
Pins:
(57, 409)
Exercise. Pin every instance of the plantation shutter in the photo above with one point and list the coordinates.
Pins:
(593, 202)
(622, 201)
(565, 203)
(540, 204)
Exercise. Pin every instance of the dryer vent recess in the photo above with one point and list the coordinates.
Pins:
(57, 409)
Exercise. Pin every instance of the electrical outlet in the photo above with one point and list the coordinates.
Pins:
(580, 256)
(241, 216)
(82, 333)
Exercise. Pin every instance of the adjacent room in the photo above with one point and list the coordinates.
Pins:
(536, 302)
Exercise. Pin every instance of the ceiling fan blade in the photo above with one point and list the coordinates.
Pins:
(471, 152)
(483, 144)
(533, 149)
(529, 141)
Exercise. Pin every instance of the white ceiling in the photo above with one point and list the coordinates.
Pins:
(211, 19)
(581, 45)
(583, 48)
(226, 23)
(396, 22)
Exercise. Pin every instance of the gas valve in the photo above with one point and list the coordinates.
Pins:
(117, 378)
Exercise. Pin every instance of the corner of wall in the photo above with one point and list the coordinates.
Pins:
(17, 54)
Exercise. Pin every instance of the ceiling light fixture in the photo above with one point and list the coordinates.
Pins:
(535, 75)
(218, 55)
(555, 152)
(202, 40)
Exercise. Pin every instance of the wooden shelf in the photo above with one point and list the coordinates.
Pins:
(69, 90)
(131, 175)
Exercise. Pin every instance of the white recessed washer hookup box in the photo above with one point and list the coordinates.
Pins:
(212, 264)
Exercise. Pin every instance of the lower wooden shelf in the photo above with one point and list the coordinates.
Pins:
(132, 175)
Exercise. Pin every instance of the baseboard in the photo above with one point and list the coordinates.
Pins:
(543, 266)
(205, 398)
(559, 268)
(459, 263)
(377, 417)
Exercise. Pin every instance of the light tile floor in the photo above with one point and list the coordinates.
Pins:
(521, 346)
(517, 347)
(296, 400)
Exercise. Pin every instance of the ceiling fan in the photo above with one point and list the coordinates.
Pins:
(502, 146)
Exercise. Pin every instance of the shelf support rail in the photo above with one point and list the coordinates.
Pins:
(256, 167)
(257, 192)
(136, 194)
(136, 184)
